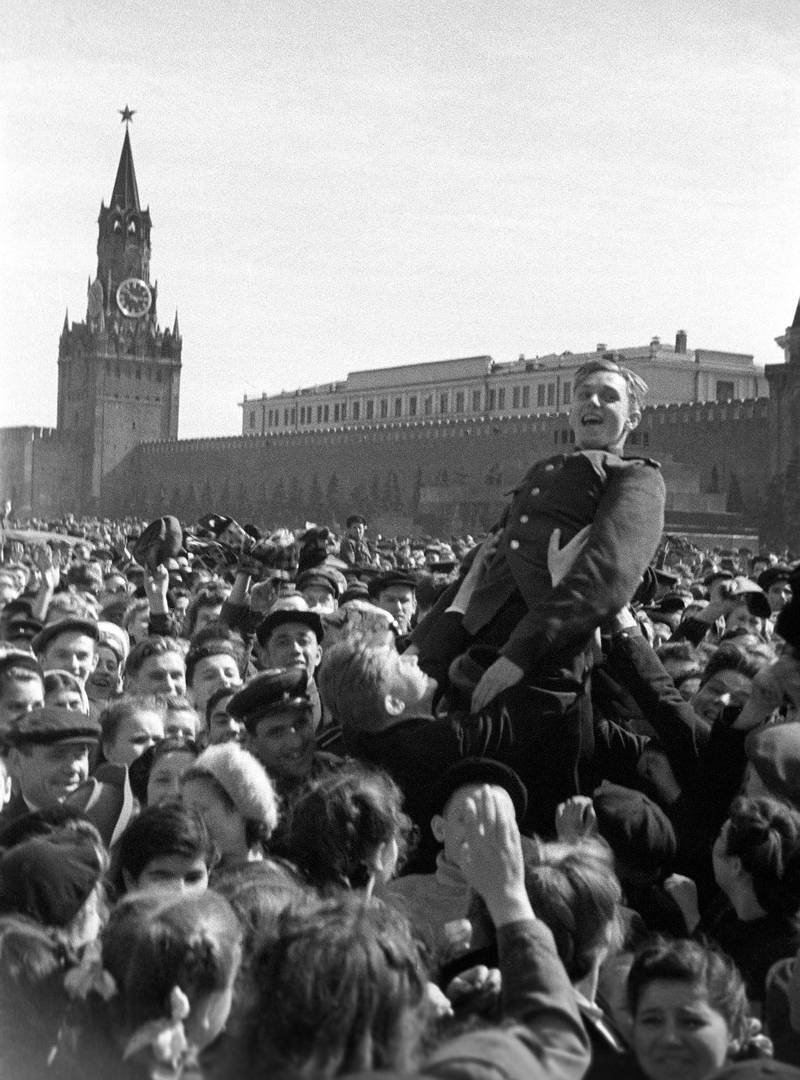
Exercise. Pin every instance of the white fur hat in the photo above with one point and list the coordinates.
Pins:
(244, 780)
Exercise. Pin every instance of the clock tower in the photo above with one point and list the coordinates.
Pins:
(118, 371)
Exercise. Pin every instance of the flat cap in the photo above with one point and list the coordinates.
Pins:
(160, 541)
(15, 658)
(355, 519)
(389, 580)
(323, 576)
(271, 691)
(52, 724)
(277, 616)
(71, 624)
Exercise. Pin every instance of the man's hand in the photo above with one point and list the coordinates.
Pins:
(502, 674)
(48, 566)
(576, 819)
(156, 583)
(491, 855)
(560, 560)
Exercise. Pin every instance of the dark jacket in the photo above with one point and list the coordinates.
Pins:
(516, 607)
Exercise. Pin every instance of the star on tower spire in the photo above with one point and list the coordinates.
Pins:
(127, 115)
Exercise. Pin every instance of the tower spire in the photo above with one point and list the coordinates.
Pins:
(126, 192)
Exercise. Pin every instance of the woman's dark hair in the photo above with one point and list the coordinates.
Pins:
(140, 769)
(209, 596)
(154, 942)
(166, 829)
(765, 835)
(334, 990)
(682, 960)
(339, 822)
(573, 889)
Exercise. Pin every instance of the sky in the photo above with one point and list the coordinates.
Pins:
(347, 184)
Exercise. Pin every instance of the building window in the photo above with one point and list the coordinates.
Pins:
(443, 402)
(356, 410)
(515, 397)
(412, 405)
(384, 408)
(526, 397)
(370, 409)
(252, 420)
(398, 406)
(428, 405)
(540, 395)
(344, 410)
(645, 438)
(294, 416)
(476, 401)
(460, 401)
(285, 417)
(567, 392)
(326, 412)
(501, 398)
(551, 393)
(336, 414)
(319, 414)
(492, 402)
(725, 391)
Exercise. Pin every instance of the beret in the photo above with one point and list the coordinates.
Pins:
(72, 623)
(479, 770)
(271, 691)
(767, 579)
(639, 832)
(389, 580)
(280, 615)
(115, 638)
(774, 753)
(161, 540)
(49, 879)
(52, 724)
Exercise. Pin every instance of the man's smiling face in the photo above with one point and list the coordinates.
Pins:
(601, 415)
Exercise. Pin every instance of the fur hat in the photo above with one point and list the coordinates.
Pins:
(115, 638)
(244, 780)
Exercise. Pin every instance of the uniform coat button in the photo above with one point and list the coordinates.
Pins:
(524, 519)
(514, 545)
(549, 468)
(535, 491)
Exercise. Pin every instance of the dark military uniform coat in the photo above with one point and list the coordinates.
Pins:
(545, 628)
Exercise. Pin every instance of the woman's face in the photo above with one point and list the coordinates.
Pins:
(677, 1034)
(164, 781)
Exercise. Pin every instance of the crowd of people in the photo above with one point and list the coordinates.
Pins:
(302, 804)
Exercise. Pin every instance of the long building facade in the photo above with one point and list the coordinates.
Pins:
(478, 386)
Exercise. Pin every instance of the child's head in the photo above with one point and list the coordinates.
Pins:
(208, 667)
(130, 726)
(349, 828)
(21, 686)
(65, 691)
(182, 720)
(167, 846)
(453, 791)
(172, 955)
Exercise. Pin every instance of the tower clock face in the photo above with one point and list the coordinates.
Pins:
(134, 297)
